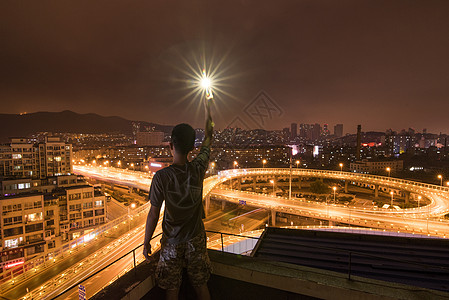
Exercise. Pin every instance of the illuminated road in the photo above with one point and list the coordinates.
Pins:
(337, 213)
(439, 196)
(405, 220)
(379, 218)
(97, 282)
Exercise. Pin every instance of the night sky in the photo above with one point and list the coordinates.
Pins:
(382, 64)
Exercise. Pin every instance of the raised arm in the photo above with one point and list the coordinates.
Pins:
(209, 126)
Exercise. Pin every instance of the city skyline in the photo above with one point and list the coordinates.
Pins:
(382, 65)
(344, 130)
(317, 165)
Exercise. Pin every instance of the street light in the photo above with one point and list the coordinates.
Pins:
(335, 189)
(389, 171)
(264, 162)
(235, 164)
(440, 177)
(272, 182)
(341, 167)
(133, 205)
(391, 193)
(297, 163)
(419, 199)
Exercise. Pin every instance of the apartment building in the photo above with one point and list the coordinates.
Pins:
(39, 215)
(21, 159)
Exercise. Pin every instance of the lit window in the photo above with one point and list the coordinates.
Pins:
(13, 243)
(34, 217)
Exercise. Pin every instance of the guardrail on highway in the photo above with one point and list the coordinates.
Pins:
(344, 175)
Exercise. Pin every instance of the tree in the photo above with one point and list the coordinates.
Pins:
(318, 187)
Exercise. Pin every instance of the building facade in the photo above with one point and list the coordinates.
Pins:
(376, 167)
(151, 138)
(39, 215)
(21, 159)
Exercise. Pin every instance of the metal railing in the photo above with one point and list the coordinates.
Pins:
(133, 251)
(351, 257)
(222, 239)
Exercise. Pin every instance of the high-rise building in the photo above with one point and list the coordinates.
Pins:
(316, 131)
(293, 130)
(304, 130)
(286, 132)
(338, 130)
(150, 138)
(326, 131)
(359, 142)
(398, 143)
(21, 159)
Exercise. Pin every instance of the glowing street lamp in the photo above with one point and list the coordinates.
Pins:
(297, 163)
(119, 163)
(419, 199)
(264, 162)
(389, 171)
(235, 164)
(440, 177)
(272, 182)
(133, 205)
(391, 193)
(341, 167)
(335, 189)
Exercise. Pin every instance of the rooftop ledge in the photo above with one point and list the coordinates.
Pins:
(237, 277)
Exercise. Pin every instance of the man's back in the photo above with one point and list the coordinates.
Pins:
(183, 243)
(181, 187)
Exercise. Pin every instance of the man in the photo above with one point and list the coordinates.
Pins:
(183, 242)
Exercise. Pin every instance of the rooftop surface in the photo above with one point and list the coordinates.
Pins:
(412, 261)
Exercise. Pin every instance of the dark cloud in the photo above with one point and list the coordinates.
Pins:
(379, 63)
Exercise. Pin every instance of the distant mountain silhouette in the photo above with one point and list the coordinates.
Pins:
(12, 125)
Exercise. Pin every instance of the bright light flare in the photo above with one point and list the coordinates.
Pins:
(206, 85)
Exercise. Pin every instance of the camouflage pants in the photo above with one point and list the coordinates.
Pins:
(174, 257)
